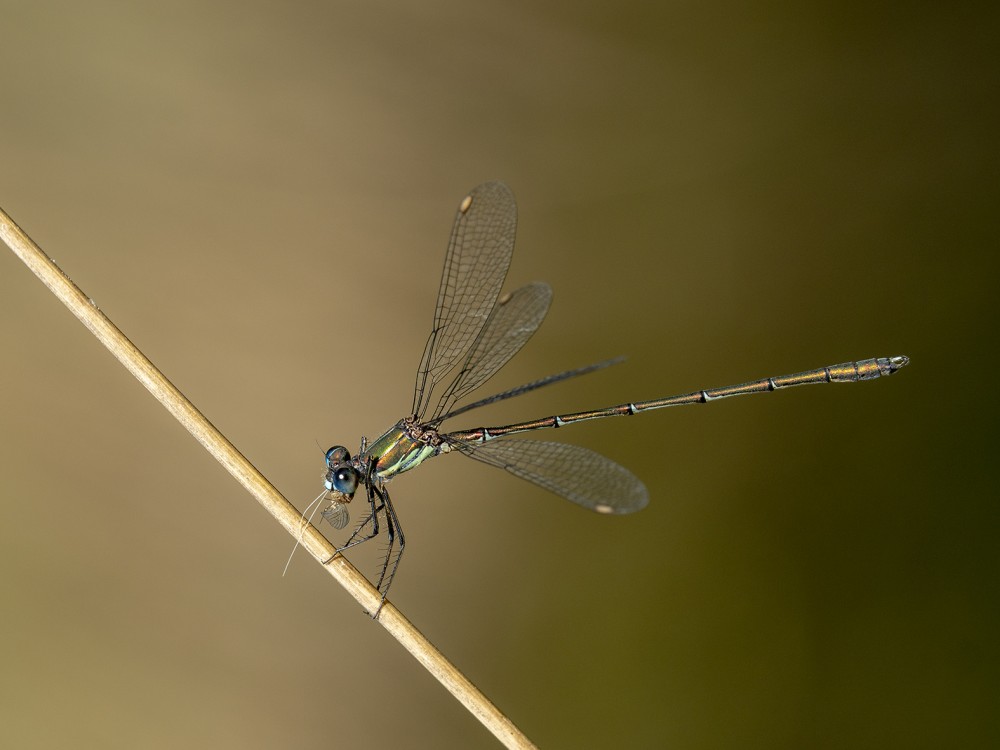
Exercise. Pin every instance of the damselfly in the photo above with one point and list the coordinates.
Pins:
(477, 331)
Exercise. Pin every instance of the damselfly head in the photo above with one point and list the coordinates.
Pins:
(341, 476)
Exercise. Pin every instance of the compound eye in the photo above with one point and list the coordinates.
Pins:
(343, 480)
(337, 455)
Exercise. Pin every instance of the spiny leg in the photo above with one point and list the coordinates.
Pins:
(372, 517)
(390, 564)
(390, 530)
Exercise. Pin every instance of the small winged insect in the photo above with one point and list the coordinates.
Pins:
(475, 332)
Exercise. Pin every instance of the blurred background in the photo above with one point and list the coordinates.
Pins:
(260, 194)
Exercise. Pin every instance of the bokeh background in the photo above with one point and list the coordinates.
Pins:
(259, 194)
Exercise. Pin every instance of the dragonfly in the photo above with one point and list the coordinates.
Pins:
(475, 332)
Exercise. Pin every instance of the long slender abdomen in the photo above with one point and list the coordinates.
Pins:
(848, 372)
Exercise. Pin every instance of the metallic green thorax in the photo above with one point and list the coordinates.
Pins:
(401, 448)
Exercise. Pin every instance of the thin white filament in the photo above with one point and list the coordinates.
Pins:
(302, 528)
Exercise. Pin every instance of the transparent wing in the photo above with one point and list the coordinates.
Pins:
(479, 253)
(337, 515)
(577, 474)
(513, 321)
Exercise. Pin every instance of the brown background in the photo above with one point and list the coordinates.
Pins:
(259, 195)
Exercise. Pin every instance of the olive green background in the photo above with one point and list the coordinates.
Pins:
(259, 194)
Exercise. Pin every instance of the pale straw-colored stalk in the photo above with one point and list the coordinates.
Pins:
(257, 485)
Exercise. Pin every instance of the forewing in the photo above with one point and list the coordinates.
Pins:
(479, 253)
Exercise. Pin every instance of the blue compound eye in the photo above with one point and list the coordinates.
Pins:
(343, 480)
(346, 481)
(337, 455)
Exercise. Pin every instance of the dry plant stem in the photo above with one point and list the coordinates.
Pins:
(258, 486)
